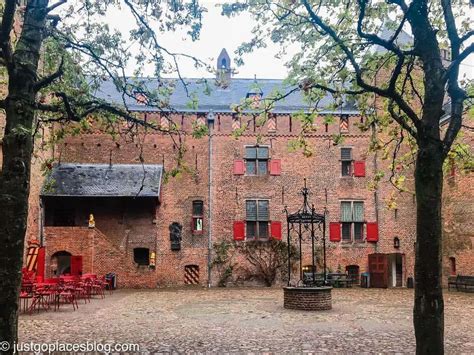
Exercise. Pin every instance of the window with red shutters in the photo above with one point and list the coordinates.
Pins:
(346, 161)
(239, 167)
(335, 231)
(359, 168)
(275, 167)
(275, 230)
(372, 232)
(257, 219)
(239, 230)
(256, 160)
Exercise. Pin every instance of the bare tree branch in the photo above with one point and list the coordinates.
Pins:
(463, 55)
(55, 5)
(388, 93)
(40, 84)
(400, 120)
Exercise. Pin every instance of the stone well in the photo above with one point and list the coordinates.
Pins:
(308, 298)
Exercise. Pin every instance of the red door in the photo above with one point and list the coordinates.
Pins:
(378, 270)
(76, 265)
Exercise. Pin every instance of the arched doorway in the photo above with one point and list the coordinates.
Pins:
(60, 263)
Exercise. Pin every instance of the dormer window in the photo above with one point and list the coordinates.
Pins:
(141, 98)
(255, 93)
(223, 63)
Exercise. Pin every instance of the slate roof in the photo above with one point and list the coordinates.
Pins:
(218, 99)
(403, 39)
(104, 180)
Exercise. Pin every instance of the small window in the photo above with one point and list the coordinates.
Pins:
(352, 220)
(346, 161)
(141, 256)
(256, 160)
(141, 98)
(344, 124)
(257, 217)
(198, 217)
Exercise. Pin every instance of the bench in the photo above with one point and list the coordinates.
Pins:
(461, 283)
(339, 280)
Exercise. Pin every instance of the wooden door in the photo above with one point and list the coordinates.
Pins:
(76, 265)
(378, 268)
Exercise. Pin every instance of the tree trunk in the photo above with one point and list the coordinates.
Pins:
(15, 174)
(429, 307)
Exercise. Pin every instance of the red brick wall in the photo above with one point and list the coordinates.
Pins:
(322, 171)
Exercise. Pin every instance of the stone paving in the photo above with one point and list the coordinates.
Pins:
(250, 320)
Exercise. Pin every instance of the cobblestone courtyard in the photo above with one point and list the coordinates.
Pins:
(250, 320)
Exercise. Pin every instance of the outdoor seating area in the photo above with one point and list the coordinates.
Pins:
(337, 280)
(461, 283)
(66, 290)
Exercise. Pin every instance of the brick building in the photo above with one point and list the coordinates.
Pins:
(153, 230)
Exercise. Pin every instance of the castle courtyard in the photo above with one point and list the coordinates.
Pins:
(250, 320)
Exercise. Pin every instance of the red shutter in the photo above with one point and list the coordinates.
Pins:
(275, 230)
(239, 167)
(335, 231)
(359, 168)
(76, 265)
(239, 230)
(275, 167)
(40, 265)
(372, 232)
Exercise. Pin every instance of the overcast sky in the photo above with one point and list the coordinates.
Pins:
(222, 32)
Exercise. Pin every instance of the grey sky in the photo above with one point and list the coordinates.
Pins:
(222, 32)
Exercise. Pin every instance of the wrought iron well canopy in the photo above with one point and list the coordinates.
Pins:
(300, 224)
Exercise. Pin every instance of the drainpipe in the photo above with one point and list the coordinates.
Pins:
(210, 125)
(376, 195)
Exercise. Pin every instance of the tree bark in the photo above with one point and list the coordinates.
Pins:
(15, 174)
(429, 307)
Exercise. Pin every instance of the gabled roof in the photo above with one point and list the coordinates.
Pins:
(104, 180)
(209, 96)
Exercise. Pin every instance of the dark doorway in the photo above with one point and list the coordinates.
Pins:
(61, 263)
(395, 270)
(353, 272)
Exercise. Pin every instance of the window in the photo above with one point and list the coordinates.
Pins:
(346, 161)
(198, 216)
(257, 219)
(141, 256)
(344, 124)
(352, 219)
(256, 160)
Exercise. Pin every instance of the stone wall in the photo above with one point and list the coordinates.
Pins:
(307, 298)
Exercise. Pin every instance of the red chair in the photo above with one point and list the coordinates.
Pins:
(43, 294)
(67, 294)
